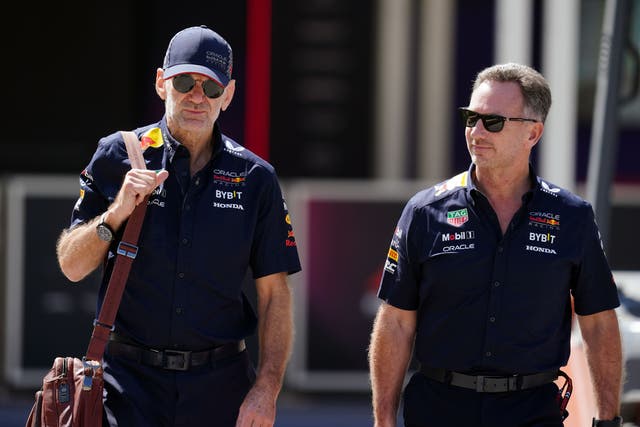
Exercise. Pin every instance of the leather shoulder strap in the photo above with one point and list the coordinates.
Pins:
(126, 253)
(134, 150)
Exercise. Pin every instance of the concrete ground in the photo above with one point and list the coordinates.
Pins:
(294, 410)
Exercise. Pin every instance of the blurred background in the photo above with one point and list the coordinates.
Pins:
(354, 103)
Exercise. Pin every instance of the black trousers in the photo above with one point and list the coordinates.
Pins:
(209, 395)
(428, 403)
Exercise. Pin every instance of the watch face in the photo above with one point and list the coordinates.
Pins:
(104, 233)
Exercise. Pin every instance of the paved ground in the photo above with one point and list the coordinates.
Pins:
(294, 410)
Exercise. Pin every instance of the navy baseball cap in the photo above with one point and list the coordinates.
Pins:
(199, 50)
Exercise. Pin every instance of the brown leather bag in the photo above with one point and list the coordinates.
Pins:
(71, 393)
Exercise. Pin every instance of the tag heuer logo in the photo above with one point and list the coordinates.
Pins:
(457, 218)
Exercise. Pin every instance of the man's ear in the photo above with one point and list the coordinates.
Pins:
(535, 133)
(227, 96)
(160, 90)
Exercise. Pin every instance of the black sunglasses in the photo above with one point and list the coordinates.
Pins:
(491, 122)
(183, 83)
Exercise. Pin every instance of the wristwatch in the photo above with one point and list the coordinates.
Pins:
(616, 422)
(105, 232)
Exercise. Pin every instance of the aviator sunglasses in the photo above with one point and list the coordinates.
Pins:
(491, 122)
(183, 83)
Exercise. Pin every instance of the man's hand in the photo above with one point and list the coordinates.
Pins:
(258, 409)
(137, 184)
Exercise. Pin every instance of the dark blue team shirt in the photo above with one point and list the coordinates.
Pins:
(199, 236)
(493, 303)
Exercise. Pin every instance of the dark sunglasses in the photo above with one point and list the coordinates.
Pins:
(491, 122)
(183, 83)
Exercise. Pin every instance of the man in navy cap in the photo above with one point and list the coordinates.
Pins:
(177, 354)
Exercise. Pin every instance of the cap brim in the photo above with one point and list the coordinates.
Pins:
(198, 69)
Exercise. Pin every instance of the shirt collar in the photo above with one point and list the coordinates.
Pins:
(472, 191)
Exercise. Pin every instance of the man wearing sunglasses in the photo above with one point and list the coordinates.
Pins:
(482, 276)
(177, 356)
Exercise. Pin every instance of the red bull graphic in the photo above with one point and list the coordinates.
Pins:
(291, 237)
(459, 180)
(229, 177)
(85, 177)
(544, 219)
(151, 138)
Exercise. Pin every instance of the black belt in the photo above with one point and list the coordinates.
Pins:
(489, 383)
(174, 360)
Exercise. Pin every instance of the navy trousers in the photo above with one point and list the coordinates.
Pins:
(428, 403)
(210, 395)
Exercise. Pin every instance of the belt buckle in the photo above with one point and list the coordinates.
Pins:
(176, 360)
(492, 384)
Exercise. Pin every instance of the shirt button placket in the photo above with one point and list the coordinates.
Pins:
(494, 298)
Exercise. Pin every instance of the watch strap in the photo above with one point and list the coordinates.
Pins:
(616, 422)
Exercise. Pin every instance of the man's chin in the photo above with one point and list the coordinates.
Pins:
(193, 124)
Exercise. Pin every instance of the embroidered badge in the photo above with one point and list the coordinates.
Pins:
(457, 218)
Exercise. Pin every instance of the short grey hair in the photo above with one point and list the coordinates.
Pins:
(534, 87)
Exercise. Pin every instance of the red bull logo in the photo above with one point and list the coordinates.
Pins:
(290, 241)
(544, 219)
(229, 177)
(151, 138)
(459, 180)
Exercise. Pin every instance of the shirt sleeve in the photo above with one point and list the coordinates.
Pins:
(274, 247)
(91, 201)
(595, 289)
(400, 278)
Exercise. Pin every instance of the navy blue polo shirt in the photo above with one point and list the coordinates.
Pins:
(200, 236)
(493, 303)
